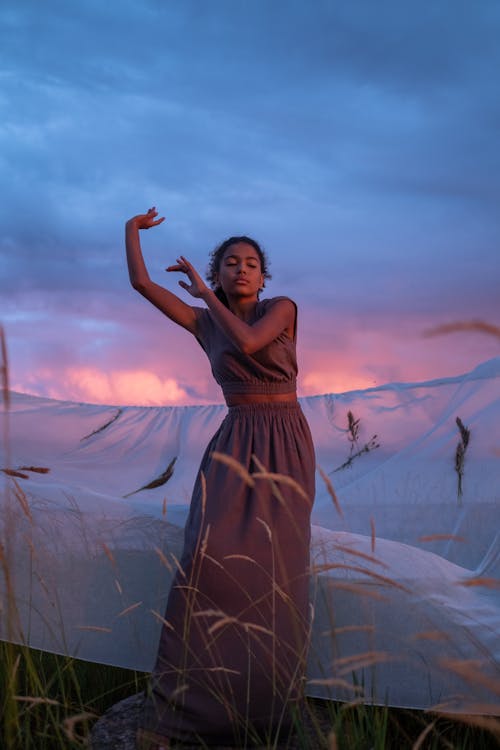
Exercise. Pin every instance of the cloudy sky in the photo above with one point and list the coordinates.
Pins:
(357, 141)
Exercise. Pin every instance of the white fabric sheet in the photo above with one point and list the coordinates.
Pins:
(406, 582)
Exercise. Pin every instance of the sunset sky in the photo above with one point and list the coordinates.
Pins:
(357, 141)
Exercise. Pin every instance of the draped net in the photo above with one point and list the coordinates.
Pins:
(405, 584)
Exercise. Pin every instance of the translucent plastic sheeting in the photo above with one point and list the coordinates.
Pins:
(405, 582)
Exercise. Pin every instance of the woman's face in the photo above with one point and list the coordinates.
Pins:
(240, 272)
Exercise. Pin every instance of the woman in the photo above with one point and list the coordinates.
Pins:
(230, 664)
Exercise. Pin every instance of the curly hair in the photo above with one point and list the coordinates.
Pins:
(216, 258)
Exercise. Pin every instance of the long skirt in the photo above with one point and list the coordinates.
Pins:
(231, 659)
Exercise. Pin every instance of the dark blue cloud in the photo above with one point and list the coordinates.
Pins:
(357, 141)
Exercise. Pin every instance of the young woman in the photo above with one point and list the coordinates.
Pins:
(231, 658)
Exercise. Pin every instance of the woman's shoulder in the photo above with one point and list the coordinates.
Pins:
(266, 304)
(270, 301)
(205, 326)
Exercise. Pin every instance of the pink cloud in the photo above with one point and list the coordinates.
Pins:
(155, 364)
(354, 354)
(93, 385)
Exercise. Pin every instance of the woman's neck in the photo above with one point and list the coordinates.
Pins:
(243, 308)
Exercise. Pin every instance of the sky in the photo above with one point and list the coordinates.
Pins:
(358, 142)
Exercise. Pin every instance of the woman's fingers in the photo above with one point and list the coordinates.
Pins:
(150, 218)
(184, 260)
(184, 266)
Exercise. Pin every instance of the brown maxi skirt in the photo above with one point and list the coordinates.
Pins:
(231, 658)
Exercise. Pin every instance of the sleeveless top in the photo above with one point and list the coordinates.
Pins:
(270, 370)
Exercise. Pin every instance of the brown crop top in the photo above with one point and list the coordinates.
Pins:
(272, 369)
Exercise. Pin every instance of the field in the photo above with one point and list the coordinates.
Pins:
(66, 575)
(51, 702)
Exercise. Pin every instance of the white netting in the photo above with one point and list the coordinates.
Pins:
(406, 582)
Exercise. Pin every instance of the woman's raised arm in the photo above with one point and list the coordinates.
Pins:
(169, 304)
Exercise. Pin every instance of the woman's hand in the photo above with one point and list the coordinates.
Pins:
(147, 220)
(197, 288)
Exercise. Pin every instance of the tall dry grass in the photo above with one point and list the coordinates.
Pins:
(49, 702)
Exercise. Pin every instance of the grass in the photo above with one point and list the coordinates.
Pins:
(460, 454)
(352, 431)
(50, 702)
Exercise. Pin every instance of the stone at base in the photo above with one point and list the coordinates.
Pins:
(116, 729)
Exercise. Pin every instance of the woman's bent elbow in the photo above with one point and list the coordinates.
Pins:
(248, 347)
(139, 286)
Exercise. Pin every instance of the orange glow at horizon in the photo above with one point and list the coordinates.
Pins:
(331, 360)
(316, 382)
(120, 387)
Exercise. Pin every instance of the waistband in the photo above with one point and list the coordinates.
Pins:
(259, 386)
(269, 407)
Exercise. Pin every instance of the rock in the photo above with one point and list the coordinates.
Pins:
(116, 729)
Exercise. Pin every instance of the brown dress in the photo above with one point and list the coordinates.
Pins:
(230, 664)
